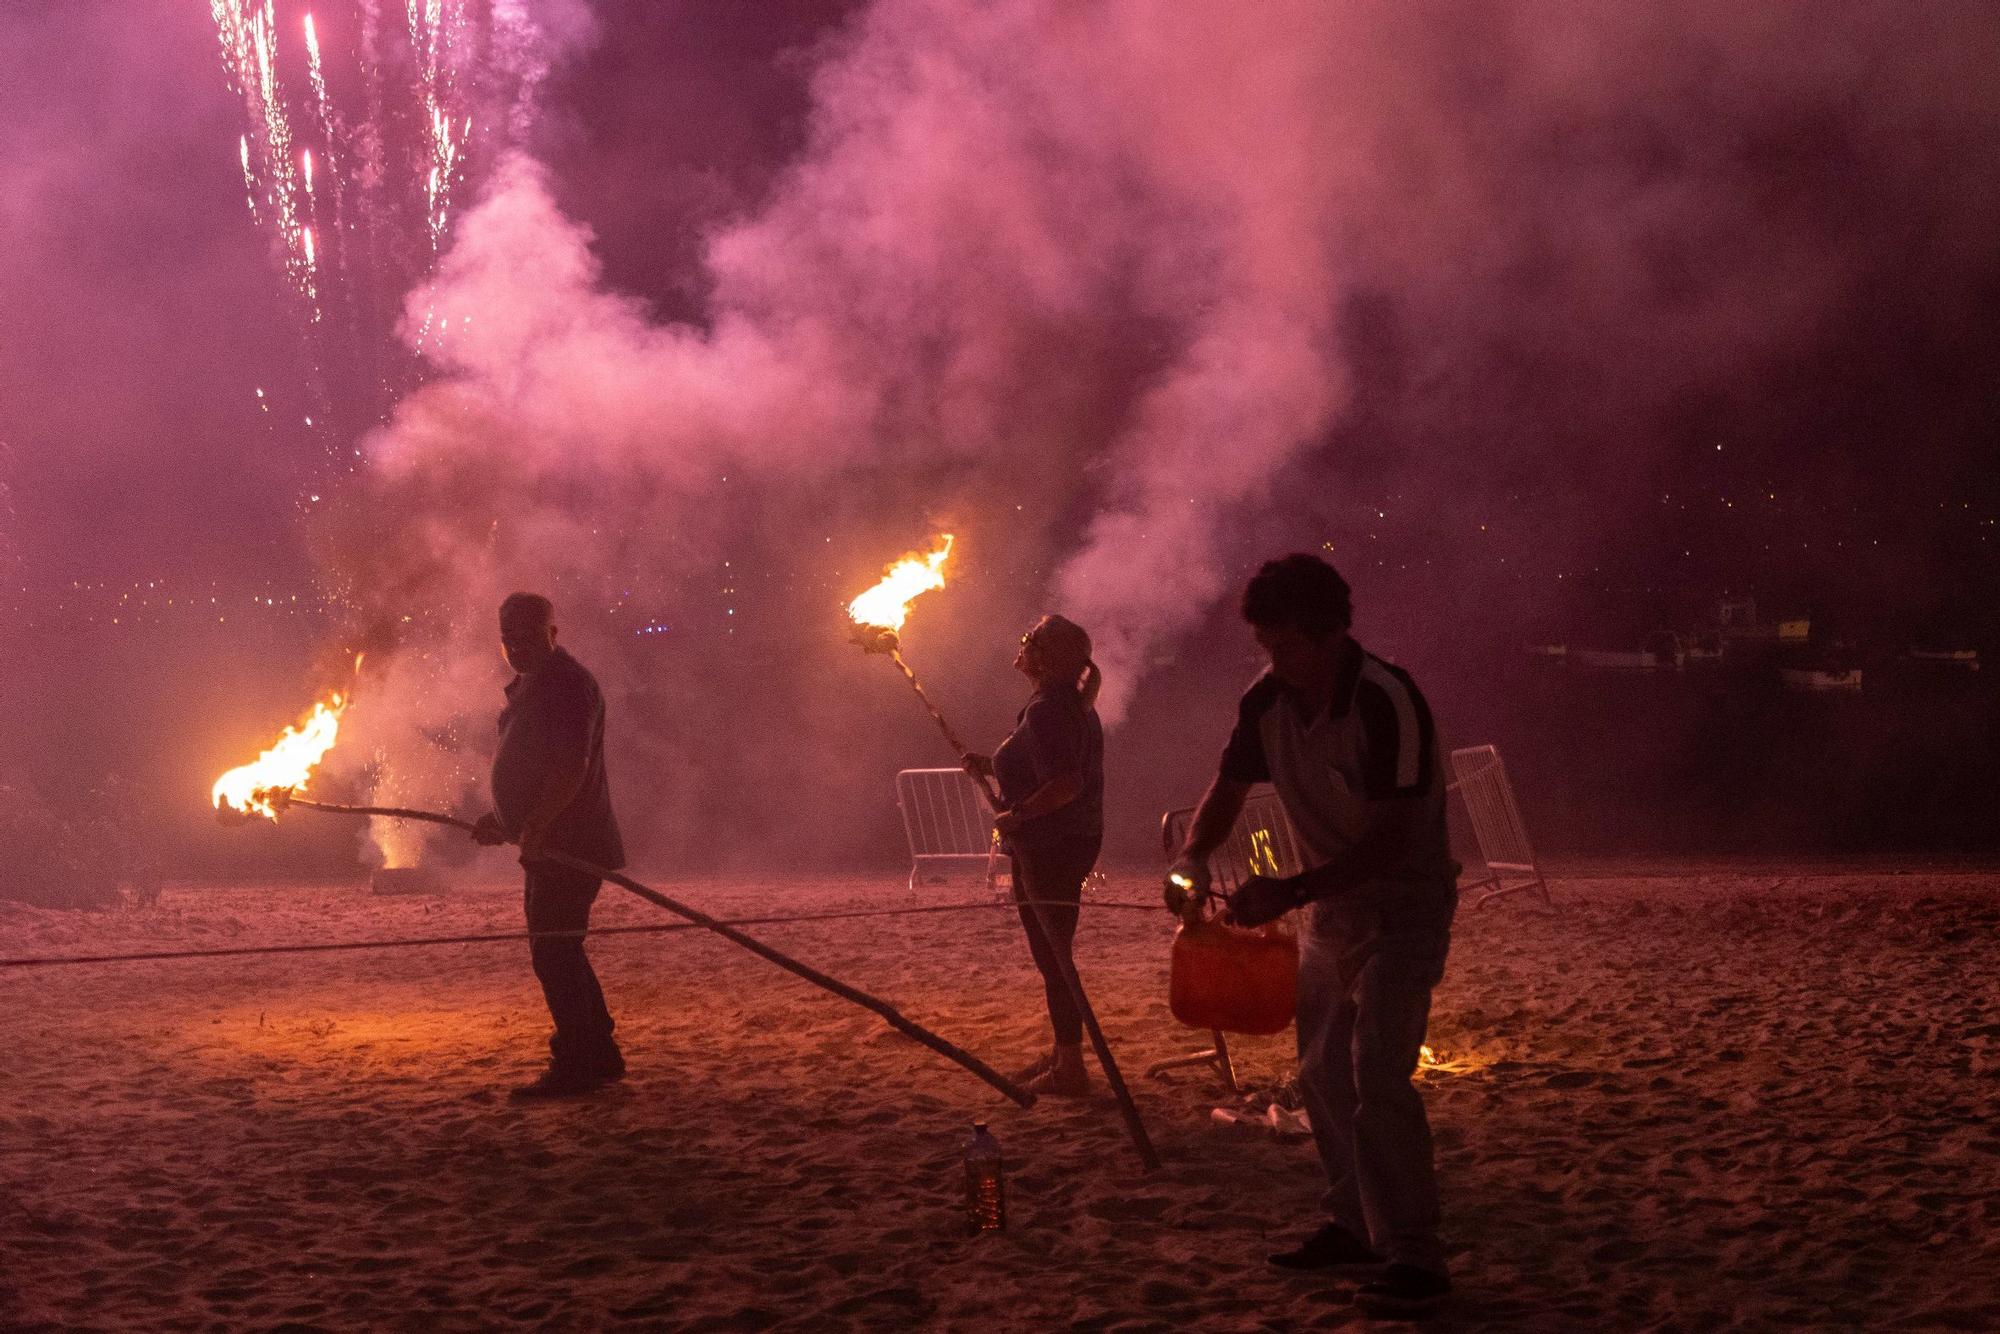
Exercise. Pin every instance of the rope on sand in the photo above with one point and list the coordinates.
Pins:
(411, 942)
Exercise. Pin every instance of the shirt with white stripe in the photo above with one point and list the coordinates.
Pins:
(1374, 743)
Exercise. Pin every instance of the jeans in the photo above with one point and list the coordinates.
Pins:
(1364, 1001)
(559, 899)
(1054, 873)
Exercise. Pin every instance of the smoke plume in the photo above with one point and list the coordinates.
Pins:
(1113, 290)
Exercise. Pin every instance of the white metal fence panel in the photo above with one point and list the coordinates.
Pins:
(1262, 842)
(945, 819)
(1480, 780)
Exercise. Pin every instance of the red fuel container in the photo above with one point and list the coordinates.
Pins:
(1232, 978)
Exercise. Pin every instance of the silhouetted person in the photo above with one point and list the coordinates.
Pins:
(1348, 742)
(1050, 772)
(551, 794)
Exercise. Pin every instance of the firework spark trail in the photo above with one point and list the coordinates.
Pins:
(278, 142)
(316, 71)
(437, 34)
(249, 40)
(249, 182)
(329, 144)
(340, 185)
(233, 31)
(284, 177)
(300, 260)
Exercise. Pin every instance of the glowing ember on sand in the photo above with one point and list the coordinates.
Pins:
(251, 789)
(1430, 1060)
(887, 605)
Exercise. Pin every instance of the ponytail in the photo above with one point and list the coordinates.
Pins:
(1089, 684)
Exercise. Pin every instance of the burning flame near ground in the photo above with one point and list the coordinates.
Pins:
(887, 605)
(1430, 1061)
(288, 764)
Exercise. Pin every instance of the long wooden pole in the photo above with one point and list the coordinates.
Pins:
(888, 1012)
(1071, 982)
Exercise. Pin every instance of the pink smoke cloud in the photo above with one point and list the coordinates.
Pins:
(1095, 259)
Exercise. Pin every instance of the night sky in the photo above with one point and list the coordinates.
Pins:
(1541, 321)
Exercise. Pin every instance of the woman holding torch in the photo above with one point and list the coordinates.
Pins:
(1050, 771)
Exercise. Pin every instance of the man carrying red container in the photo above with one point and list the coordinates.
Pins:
(1348, 742)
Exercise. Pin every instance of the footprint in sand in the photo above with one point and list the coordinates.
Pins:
(1127, 1210)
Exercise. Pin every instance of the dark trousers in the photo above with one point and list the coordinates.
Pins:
(559, 899)
(1053, 877)
(1364, 1000)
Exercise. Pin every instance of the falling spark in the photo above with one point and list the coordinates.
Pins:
(314, 69)
(436, 30)
(316, 74)
(250, 54)
(887, 605)
(328, 181)
(249, 181)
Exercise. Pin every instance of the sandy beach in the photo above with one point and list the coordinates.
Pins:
(1707, 1100)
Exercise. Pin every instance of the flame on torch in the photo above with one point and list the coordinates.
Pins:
(887, 605)
(254, 789)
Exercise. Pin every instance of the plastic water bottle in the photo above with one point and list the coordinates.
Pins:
(985, 1185)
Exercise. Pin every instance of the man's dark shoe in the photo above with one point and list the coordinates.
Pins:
(560, 1081)
(611, 1068)
(1332, 1247)
(1403, 1291)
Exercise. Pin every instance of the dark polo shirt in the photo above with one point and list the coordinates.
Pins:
(1375, 743)
(552, 719)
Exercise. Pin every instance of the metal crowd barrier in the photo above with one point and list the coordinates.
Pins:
(1480, 780)
(946, 821)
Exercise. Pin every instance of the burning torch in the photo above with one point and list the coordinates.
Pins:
(269, 783)
(878, 617)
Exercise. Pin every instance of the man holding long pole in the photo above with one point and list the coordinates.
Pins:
(551, 794)
(1348, 742)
